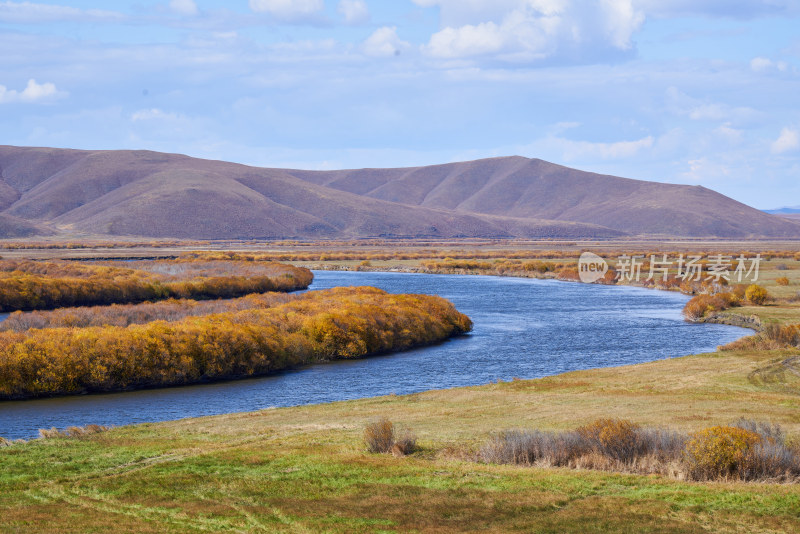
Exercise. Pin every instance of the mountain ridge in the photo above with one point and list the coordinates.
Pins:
(152, 194)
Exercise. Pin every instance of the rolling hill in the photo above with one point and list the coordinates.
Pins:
(151, 194)
(522, 187)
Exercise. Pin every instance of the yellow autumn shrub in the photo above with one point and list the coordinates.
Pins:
(719, 451)
(320, 325)
(33, 285)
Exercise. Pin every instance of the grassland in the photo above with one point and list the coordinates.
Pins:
(305, 469)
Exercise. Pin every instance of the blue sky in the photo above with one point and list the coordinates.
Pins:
(685, 91)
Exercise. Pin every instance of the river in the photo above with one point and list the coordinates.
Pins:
(523, 328)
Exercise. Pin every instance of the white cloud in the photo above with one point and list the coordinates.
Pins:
(31, 13)
(787, 141)
(288, 9)
(153, 114)
(384, 42)
(730, 134)
(616, 150)
(762, 64)
(33, 92)
(183, 7)
(568, 150)
(705, 170)
(354, 11)
(469, 40)
(703, 110)
(530, 30)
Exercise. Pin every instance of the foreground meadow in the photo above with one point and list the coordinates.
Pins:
(306, 469)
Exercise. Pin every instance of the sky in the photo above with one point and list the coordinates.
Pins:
(700, 92)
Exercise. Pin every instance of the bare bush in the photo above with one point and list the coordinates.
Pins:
(769, 432)
(663, 444)
(379, 436)
(527, 447)
(771, 461)
(405, 444)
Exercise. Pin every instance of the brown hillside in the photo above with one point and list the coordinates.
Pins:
(143, 193)
(521, 187)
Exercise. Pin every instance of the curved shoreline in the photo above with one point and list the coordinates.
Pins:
(753, 322)
(506, 345)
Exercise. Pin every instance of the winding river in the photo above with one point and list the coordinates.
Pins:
(524, 328)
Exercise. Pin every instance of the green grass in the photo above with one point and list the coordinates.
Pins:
(305, 469)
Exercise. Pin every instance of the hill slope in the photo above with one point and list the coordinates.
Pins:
(521, 187)
(142, 193)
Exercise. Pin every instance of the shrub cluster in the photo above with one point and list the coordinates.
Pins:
(127, 314)
(48, 285)
(773, 336)
(380, 437)
(319, 325)
(701, 305)
(746, 450)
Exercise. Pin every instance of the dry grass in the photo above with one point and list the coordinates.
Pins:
(72, 432)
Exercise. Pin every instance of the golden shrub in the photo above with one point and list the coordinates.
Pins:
(701, 305)
(756, 294)
(719, 451)
(33, 285)
(320, 325)
(616, 438)
(782, 281)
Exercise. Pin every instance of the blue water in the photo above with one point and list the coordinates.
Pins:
(523, 328)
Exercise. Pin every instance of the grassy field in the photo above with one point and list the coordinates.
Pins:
(306, 469)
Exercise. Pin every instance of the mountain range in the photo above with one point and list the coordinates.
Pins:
(45, 191)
